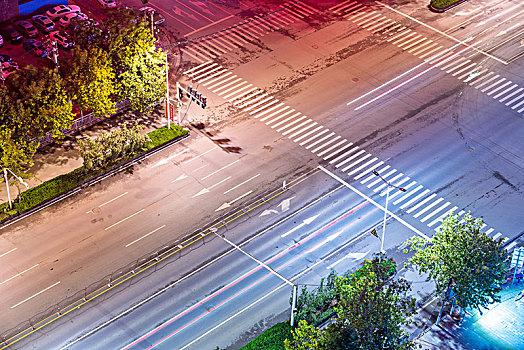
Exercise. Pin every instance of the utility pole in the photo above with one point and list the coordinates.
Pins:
(386, 208)
(294, 285)
(7, 184)
(2, 73)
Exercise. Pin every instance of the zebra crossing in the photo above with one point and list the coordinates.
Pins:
(246, 32)
(339, 152)
(467, 71)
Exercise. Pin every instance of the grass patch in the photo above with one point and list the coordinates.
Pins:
(441, 4)
(272, 339)
(66, 182)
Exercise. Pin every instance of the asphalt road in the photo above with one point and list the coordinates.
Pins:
(432, 102)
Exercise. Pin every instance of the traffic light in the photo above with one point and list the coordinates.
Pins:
(195, 96)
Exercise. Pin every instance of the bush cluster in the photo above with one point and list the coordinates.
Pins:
(66, 182)
(108, 148)
(441, 4)
(272, 339)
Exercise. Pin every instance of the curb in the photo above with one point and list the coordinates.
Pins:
(91, 181)
(444, 9)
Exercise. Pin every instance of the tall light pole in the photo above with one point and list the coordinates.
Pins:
(294, 285)
(7, 184)
(389, 185)
(168, 110)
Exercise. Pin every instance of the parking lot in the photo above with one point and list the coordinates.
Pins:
(91, 8)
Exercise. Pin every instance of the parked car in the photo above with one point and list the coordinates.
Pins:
(36, 47)
(59, 11)
(107, 3)
(157, 17)
(26, 29)
(8, 69)
(43, 23)
(11, 34)
(5, 58)
(65, 21)
(62, 39)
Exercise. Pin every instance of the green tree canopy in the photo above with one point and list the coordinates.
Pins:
(41, 103)
(90, 78)
(372, 310)
(460, 255)
(139, 64)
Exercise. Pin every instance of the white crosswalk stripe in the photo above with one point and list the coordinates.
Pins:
(339, 152)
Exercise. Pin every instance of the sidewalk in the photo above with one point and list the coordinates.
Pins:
(61, 158)
(500, 327)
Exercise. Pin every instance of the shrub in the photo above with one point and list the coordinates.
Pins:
(272, 339)
(118, 154)
(440, 4)
(160, 136)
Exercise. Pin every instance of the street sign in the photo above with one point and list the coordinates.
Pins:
(374, 232)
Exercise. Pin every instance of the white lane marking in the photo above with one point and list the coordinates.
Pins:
(197, 67)
(400, 76)
(362, 166)
(508, 248)
(283, 284)
(270, 109)
(373, 176)
(361, 159)
(438, 218)
(228, 204)
(165, 160)
(425, 218)
(181, 177)
(119, 222)
(154, 295)
(308, 133)
(344, 154)
(207, 189)
(240, 184)
(372, 201)
(325, 144)
(354, 256)
(492, 85)
(412, 200)
(505, 92)
(498, 88)
(409, 194)
(298, 127)
(338, 144)
(144, 236)
(216, 171)
(421, 203)
(368, 170)
(305, 222)
(348, 159)
(497, 235)
(18, 274)
(318, 134)
(515, 99)
(487, 81)
(4, 254)
(34, 295)
(200, 155)
(109, 201)
(263, 105)
(489, 231)
(460, 42)
(319, 140)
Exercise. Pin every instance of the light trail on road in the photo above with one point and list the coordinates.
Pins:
(251, 272)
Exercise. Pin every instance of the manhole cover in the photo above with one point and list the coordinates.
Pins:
(315, 46)
(355, 79)
(96, 210)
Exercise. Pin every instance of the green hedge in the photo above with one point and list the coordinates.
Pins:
(272, 339)
(66, 182)
(440, 4)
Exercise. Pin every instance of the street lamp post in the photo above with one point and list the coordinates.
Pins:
(294, 285)
(7, 184)
(389, 185)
